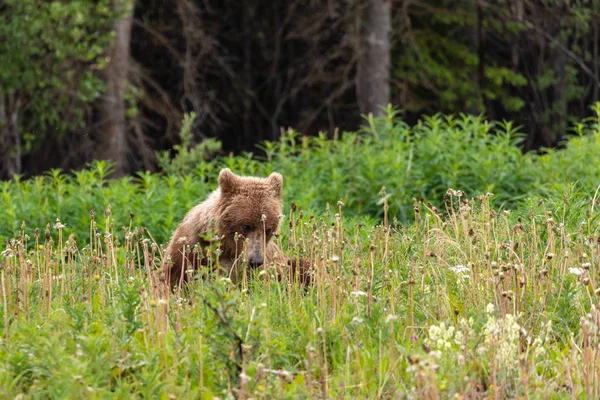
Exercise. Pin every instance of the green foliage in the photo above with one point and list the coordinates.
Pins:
(393, 312)
(440, 152)
(187, 156)
(440, 41)
(394, 308)
(50, 55)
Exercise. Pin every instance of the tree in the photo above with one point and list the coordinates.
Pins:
(50, 55)
(113, 131)
(373, 75)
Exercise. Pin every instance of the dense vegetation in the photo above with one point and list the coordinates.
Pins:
(76, 74)
(421, 161)
(508, 297)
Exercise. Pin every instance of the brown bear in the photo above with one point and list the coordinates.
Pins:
(245, 213)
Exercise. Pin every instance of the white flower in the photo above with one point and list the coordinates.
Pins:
(461, 271)
(358, 293)
(390, 318)
(501, 336)
(576, 271)
(245, 378)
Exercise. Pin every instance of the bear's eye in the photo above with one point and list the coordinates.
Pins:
(269, 231)
(246, 228)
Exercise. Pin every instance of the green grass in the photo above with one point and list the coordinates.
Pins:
(411, 299)
(469, 304)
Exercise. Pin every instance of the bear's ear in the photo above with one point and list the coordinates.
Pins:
(275, 182)
(228, 181)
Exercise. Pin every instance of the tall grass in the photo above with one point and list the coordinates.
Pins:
(464, 303)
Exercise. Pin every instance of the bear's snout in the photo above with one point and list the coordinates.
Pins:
(255, 256)
(256, 260)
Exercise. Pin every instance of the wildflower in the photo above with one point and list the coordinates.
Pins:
(436, 354)
(357, 320)
(358, 293)
(391, 317)
(576, 271)
(461, 271)
(503, 336)
(245, 378)
(59, 225)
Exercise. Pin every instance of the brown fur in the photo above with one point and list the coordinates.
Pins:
(247, 206)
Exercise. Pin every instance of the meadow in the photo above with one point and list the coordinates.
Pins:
(448, 264)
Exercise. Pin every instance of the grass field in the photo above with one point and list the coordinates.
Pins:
(457, 298)
(462, 303)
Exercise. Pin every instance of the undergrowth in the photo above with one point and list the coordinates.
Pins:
(412, 298)
(467, 302)
(465, 152)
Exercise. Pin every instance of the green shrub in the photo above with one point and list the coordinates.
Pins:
(187, 156)
(440, 152)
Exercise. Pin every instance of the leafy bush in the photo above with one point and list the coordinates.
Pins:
(187, 156)
(50, 53)
(423, 161)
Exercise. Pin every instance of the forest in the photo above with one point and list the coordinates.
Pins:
(439, 184)
(82, 80)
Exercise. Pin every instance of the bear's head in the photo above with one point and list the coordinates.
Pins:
(249, 209)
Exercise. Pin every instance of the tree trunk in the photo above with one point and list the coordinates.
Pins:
(10, 135)
(113, 139)
(481, 46)
(373, 74)
(557, 126)
(595, 60)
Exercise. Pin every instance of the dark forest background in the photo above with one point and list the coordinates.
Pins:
(113, 79)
